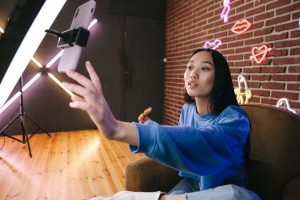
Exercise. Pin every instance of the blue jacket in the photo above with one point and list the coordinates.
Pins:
(208, 148)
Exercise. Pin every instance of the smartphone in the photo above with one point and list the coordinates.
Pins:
(82, 18)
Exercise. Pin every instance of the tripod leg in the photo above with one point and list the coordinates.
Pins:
(2, 132)
(37, 125)
(25, 135)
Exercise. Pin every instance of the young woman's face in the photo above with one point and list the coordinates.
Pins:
(199, 75)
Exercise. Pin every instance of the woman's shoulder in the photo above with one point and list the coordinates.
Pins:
(234, 108)
(233, 112)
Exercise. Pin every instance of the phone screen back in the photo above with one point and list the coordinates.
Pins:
(82, 18)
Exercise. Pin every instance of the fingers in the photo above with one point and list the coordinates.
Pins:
(93, 75)
(75, 88)
(82, 80)
(147, 110)
(89, 97)
(140, 117)
(143, 117)
(79, 104)
(85, 84)
(77, 98)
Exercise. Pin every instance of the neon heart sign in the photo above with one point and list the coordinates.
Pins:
(259, 53)
(213, 45)
(226, 10)
(241, 26)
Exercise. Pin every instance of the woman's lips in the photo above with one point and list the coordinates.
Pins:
(192, 84)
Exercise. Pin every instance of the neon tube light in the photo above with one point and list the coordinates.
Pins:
(37, 62)
(60, 84)
(51, 62)
(51, 75)
(31, 82)
(242, 97)
(25, 87)
(30, 43)
(213, 45)
(10, 101)
(226, 10)
(287, 103)
(1, 30)
(93, 22)
(259, 53)
(241, 26)
(54, 59)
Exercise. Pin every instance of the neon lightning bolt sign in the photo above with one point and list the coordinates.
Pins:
(226, 10)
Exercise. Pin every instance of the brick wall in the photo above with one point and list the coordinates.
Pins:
(275, 23)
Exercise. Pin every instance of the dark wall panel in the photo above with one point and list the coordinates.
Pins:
(145, 51)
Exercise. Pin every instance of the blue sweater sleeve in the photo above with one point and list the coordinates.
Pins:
(201, 151)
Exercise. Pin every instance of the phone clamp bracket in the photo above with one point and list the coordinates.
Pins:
(70, 37)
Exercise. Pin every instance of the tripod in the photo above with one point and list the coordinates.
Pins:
(22, 116)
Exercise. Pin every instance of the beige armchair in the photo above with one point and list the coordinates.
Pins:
(273, 166)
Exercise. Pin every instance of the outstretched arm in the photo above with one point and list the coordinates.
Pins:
(89, 97)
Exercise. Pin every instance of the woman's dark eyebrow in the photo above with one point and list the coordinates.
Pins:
(207, 62)
(202, 62)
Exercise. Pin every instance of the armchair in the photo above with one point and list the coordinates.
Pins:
(273, 154)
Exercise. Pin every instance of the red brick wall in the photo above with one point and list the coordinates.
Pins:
(275, 23)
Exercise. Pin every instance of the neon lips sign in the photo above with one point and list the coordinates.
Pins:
(226, 10)
(241, 26)
(213, 45)
(260, 53)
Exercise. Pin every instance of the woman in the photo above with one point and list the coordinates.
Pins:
(207, 148)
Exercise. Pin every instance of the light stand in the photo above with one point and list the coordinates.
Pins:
(22, 116)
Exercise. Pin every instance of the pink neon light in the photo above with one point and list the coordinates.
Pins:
(55, 58)
(241, 26)
(226, 10)
(259, 53)
(285, 101)
(93, 22)
(213, 45)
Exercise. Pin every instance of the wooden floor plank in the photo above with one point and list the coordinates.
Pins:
(68, 165)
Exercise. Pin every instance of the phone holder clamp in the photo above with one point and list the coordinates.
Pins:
(68, 38)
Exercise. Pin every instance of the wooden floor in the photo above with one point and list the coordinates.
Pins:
(70, 165)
